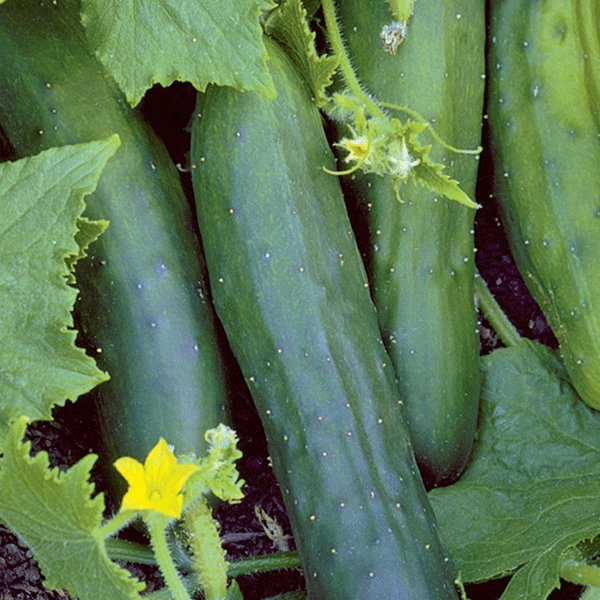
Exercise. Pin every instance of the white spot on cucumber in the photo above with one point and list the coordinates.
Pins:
(535, 90)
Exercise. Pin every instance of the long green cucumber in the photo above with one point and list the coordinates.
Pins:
(545, 121)
(420, 255)
(143, 306)
(292, 294)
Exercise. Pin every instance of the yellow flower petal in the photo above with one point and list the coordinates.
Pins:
(136, 499)
(171, 506)
(155, 485)
(131, 470)
(159, 464)
(178, 476)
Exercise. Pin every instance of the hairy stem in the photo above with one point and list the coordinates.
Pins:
(157, 530)
(264, 563)
(129, 552)
(125, 551)
(401, 10)
(116, 523)
(339, 50)
(494, 314)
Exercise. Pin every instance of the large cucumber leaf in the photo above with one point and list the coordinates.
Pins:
(42, 234)
(55, 515)
(532, 489)
(142, 43)
(289, 26)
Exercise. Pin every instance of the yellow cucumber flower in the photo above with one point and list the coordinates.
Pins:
(157, 484)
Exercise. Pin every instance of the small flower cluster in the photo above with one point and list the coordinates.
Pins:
(382, 147)
(387, 146)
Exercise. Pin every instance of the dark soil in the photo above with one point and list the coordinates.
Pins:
(66, 441)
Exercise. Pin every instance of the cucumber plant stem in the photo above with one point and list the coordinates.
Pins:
(157, 529)
(339, 50)
(122, 550)
(494, 314)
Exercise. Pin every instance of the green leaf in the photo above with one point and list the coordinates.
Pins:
(289, 26)
(532, 489)
(234, 592)
(55, 515)
(142, 43)
(87, 232)
(431, 176)
(42, 235)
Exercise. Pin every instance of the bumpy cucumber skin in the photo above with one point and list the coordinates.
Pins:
(545, 120)
(420, 255)
(142, 298)
(290, 289)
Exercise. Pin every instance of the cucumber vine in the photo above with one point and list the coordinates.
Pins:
(380, 143)
(165, 489)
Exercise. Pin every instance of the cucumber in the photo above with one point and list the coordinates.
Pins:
(143, 306)
(544, 108)
(292, 294)
(420, 256)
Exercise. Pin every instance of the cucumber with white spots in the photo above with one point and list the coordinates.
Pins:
(292, 294)
(420, 255)
(544, 109)
(142, 307)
